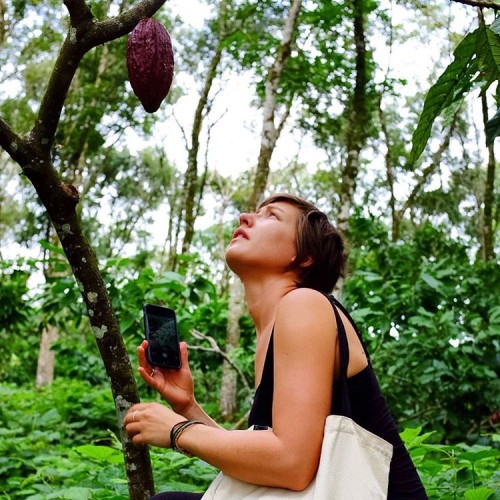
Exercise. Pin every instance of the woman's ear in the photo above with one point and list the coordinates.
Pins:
(307, 262)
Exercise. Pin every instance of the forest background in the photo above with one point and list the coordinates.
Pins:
(104, 208)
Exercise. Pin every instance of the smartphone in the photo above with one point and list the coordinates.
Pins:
(160, 326)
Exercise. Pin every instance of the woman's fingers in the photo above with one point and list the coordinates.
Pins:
(133, 412)
(184, 353)
(141, 353)
(150, 423)
(148, 375)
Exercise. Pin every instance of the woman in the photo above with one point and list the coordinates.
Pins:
(288, 256)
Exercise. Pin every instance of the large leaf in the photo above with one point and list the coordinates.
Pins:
(492, 128)
(478, 494)
(451, 85)
(495, 27)
(488, 55)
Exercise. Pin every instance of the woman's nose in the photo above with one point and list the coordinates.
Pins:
(245, 219)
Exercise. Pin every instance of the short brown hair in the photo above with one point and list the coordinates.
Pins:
(317, 239)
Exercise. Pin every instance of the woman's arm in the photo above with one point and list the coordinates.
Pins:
(287, 456)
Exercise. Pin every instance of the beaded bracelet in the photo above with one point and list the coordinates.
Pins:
(177, 430)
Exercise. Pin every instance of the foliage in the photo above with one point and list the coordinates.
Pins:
(432, 319)
(458, 471)
(17, 317)
(427, 306)
(476, 64)
(61, 442)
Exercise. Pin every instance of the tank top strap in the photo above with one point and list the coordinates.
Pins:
(335, 302)
(267, 377)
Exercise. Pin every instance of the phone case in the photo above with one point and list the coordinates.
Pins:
(160, 326)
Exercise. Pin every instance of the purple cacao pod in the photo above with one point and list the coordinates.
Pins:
(150, 63)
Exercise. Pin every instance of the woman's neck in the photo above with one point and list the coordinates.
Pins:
(263, 296)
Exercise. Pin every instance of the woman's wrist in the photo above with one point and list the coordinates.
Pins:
(188, 410)
(176, 432)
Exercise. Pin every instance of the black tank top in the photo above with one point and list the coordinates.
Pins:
(368, 409)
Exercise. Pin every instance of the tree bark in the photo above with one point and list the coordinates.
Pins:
(191, 178)
(480, 3)
(46, 357)
(33, 154)
(3, 13)
(358, 120)
(271, 132)
(389, 170)
(228, 390)
(488, 243)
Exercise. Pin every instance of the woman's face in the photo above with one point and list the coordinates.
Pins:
(264, 240)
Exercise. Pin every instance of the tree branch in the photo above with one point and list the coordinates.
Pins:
(429, 170)
(214, 347)
(479, 3)
(84, 34)
(13, 143)
(79, 12)
(269, 134)
(115, 27)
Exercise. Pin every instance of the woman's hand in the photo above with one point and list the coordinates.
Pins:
(150, 423)
(176, 386)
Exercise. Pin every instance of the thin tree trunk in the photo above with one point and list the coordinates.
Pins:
(425, 176)
(358, 120)
(228, 392)
(46, 357)
(50, 334)
(3, 13)
(270, 132)
(488, 244)
(191, 179)
(389, 170)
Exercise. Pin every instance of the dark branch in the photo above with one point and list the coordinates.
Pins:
(79, 12)
(115, 27)
(13, 144)
(84, 34)
(49, 114)
(480, 3)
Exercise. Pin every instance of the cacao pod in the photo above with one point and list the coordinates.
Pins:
(150, 63)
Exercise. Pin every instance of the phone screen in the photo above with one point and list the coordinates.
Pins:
(161, 334)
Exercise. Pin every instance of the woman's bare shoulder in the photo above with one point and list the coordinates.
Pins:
(305, 309)
(303, 298)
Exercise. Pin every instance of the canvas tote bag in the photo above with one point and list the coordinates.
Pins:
(354, 463)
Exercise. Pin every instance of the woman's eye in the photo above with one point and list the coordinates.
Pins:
(273, 214)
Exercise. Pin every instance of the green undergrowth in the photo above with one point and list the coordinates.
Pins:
(61, 442)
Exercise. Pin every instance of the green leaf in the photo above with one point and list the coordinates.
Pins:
(432, 282)
(76, 493)
(370, 276)
(488, 56)
(495, 27)
(101, 453)
(360, 314)
(478, 494)
(412, 438)
(492, 128)
(53, 248)
(474, 456)
(449, 87)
